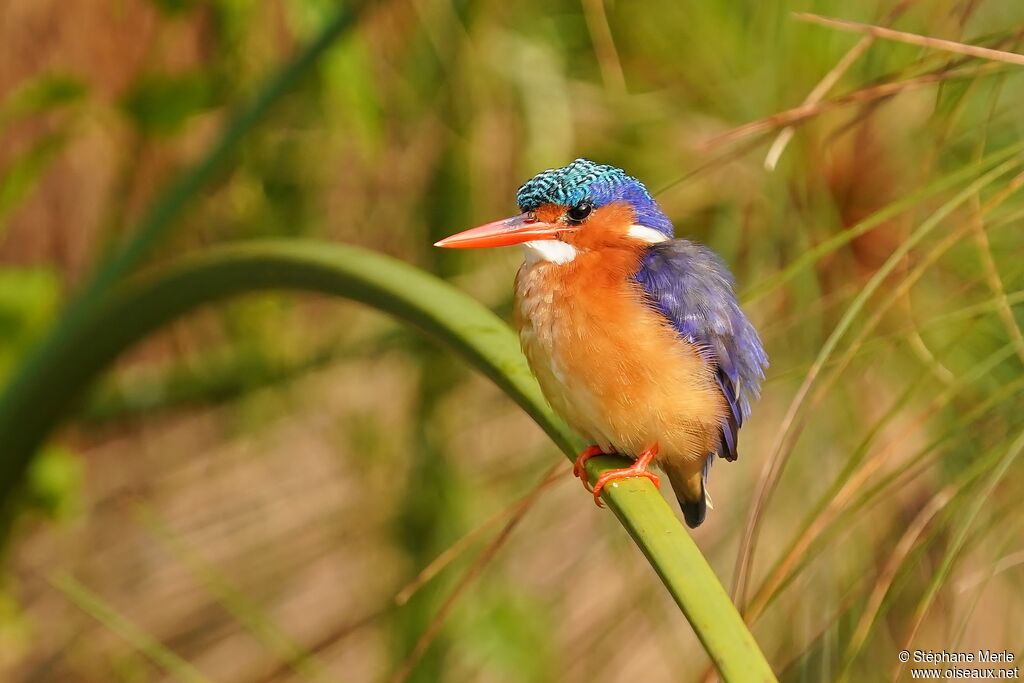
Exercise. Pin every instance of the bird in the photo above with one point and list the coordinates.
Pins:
(636, 337)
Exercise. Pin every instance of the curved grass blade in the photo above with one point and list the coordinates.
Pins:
(837, 241)
(778, 454)
(813, 541)
(441, 312)
(94, 606)
(960, 538)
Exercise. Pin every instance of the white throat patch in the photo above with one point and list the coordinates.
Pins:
(552, 251)
(560, 253)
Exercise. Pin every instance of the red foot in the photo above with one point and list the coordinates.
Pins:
(637, 469)
(578, 469)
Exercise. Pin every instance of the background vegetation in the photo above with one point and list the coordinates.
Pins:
(260, 491)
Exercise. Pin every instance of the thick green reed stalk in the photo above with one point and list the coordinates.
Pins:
(443, 313)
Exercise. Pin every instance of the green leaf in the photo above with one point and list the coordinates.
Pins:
(25, 171)
(42, 94)
(161, 104)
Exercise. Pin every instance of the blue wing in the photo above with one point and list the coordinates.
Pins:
(691, 286)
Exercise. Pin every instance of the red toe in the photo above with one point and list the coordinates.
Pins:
(625, 473)
(578, 468)
(637, 469)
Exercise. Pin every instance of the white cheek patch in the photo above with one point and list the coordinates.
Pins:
(645, 234)
(552, 251)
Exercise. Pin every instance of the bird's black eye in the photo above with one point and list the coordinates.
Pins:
(579, 213)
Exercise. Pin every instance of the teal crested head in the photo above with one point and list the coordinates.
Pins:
(584, 182)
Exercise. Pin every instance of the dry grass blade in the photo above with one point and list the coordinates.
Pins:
(777, 457)
(914, 39)
(604, 46)
(979, 581)
(427, 574)
(870, 94)
(953, 552)
(849, 509)
(771, 160)
(837, 498)
(293, 659)
(94, 606)
(851, 512)
(827, 83)
(979, 578)
(813, 255)
(782, 572)
(888, 574)
(995, 282)
(459, 547)
(465, 582)
(988, 263)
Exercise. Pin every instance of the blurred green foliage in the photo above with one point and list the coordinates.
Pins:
(54, 483)
(28, 302)
(423, 122)
(40, 95)
(161, 105)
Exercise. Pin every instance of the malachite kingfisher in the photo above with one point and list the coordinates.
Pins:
(636, 337)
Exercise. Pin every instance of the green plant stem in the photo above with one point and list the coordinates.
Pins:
(443, 313)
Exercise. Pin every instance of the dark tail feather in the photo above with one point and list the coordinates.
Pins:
(689, 490)
(694, 512)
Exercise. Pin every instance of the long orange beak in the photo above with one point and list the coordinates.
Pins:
(515, 230)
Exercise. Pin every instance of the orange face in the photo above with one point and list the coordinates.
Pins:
(606, 227)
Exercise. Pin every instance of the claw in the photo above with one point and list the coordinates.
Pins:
(578, 467)
(637, 469)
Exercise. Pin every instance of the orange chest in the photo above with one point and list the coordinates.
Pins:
(609, 364)
(587, 327)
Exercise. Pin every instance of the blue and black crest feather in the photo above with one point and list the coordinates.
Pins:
(600, 184)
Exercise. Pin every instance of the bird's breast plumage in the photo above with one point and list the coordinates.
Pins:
(610, 363)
